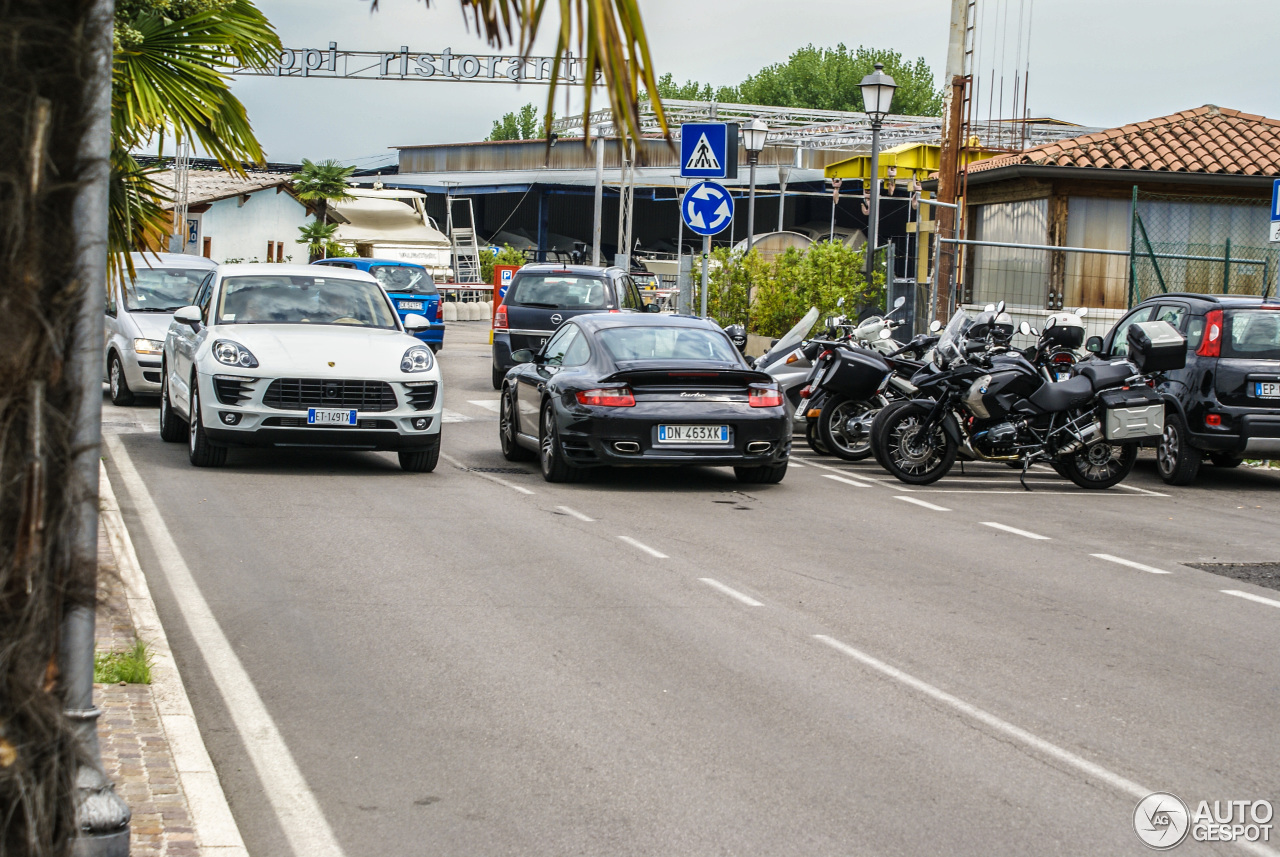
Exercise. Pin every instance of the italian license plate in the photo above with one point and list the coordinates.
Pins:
(693, 434)
(324, 417)
(410, 304)
(1266, 389)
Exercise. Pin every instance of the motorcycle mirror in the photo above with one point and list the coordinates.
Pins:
(1024, 329)
(899, 302)
(935, 326)
(886, 333)
(840, 302)
(1035, 332)
(1050, 322)
(1000, 307)
(989, 308)
(1083, 311)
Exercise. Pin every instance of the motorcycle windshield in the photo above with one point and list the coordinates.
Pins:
(949, 346)
(795, 335)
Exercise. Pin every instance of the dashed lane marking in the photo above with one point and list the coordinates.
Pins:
(1141, 490)
(489, 476)
(656, 554)
(732, 593)
(1139, 566)
(491, 404)
(1017, 532)
(574, 513)
(448, 416)
(845, 481)
(922, 503)
(1251, 597)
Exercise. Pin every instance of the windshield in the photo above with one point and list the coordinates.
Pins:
(667, 343)
(162, 289)
(951, 342)
(1253, 334)
(404, 278)
(796, 335)
(557, 291)
(304, 300)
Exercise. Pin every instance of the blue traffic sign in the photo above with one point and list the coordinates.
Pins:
(1275, 201)
(707, 208)
(708, 150)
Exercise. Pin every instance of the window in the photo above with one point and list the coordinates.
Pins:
(651, 342)
(628, 294)
(161, 289)
(556, 349)
(578, 352)
(208, 248)
(1093, 279)
(275, 299)
(1120, 339)
(111, 299)
(556, 291)
(203, 294)
(1175, 314)
(1195, 330)
(1016, 276)
(1252, 334)
(404, 278)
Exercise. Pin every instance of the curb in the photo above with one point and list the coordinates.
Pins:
(216, 832)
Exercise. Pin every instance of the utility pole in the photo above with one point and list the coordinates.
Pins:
(949, 161)
(595, 229)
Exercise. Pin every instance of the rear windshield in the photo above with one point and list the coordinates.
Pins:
(1252, 334)
(162, 289)
(558, 291)
(304, 300)
(404, 278)
(667, 343)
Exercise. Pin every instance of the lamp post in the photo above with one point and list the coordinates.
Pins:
(877, 95)
(753, 137)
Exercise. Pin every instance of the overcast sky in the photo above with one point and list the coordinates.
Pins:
(1094, 62)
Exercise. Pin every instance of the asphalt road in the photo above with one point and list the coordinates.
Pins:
(476, 662)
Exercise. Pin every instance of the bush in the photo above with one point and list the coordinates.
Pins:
(132, 667)
(508, 255)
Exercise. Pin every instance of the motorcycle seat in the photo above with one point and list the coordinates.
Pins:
(1062, 395)
(1103, 375)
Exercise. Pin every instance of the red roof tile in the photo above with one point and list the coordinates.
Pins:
(1208, 139)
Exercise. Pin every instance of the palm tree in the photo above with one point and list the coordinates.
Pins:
(324, 181)
(317, 236)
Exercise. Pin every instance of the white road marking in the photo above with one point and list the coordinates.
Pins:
(922, 503)
(845, 481)
(492, 404)
(1014, 530)
(448, 416)
(644, 547)
(843, 470)
(574, 513)
(1139, 566)
(1249, 595)
(793, 463)
(215, 826)
(1141, 490)
(296, 808)
(732, 593)
(489, 476)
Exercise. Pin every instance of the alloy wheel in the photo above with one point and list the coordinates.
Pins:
(115, 379)
(194, 423)
(1099, 462)
(850, 428)
(1168, 450)
(909, 450)
(547, 446)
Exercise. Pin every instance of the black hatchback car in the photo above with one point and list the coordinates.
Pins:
(542, 296)
(1225, 403)
(635, 390)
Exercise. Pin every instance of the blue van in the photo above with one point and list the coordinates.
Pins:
(410, 288)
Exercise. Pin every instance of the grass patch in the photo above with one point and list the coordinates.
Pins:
(131, 667)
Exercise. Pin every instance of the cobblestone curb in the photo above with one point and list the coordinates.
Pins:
(151, 746)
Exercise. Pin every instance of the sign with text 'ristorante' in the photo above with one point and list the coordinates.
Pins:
(405, 64)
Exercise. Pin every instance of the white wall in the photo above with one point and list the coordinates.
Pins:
(241, 231)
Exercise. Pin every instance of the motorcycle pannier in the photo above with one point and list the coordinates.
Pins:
(1155, 346)
(855, 372)
(1135, 413)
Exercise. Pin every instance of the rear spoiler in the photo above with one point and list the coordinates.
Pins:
(651, 373)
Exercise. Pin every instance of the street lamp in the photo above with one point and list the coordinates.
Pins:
(877, 95)
(753, 137)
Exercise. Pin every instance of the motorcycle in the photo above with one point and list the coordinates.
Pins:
(993, 404)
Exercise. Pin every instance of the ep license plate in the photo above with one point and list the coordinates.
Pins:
(410, 304)
(693, 434)
(322, 417)
(1266, 389)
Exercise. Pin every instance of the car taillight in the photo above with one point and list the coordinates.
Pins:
(1213, 420)
(764, 397)
(1063, 358)
(500, 318)
(1211, 345)
(608, 397)
(439, 310)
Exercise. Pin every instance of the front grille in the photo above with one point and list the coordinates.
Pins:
(298, 394)
(301, 422)
(230, 391)
(422, 398)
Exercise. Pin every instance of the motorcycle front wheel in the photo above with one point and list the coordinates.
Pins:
(839, 435)
(913, 455)
(877, 432)
(814, 438)
(1100, 465)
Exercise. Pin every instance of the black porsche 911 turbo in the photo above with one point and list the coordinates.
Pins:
(636, 390)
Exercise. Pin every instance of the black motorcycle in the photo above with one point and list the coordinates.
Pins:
(995, 405)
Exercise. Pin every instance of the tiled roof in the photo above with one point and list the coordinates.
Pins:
(213, 185)
(1209, 139)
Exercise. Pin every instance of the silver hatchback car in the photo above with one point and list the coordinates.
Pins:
(138, 316)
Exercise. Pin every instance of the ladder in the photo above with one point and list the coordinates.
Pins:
(466, 247)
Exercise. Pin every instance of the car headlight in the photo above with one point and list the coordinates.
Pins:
(234, 354)
(147, 346)
(417, 359)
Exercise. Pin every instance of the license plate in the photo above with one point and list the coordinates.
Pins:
(323, 417)
(693, 434)
(410, 304)
(1063, 376)
(1266, 389)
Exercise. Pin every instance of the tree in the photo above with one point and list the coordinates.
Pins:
(508, 255)
(521, 125)
(318, 236)
(324, 181)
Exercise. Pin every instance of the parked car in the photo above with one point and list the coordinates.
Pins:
(298, 355)
(636, 390)
(541, 297)
(138, 313)
(1225, 403)
(411, 288)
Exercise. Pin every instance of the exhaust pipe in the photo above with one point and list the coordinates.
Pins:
(1087, 434)
(759, 446)
(626, 446)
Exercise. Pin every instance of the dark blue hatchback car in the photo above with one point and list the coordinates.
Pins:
(410, 288)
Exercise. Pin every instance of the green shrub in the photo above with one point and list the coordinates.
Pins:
(508, 255)
(132, 667)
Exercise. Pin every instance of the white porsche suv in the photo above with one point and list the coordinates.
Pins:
(292, 355)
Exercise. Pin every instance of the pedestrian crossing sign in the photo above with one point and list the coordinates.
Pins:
(709, 150)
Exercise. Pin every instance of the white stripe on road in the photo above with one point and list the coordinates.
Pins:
(1014, 530)
(792, 462)
(492, 404)
(845, 481)
(732, 593)
(1141, 490)
(1139, 566)
(644, 547)
(1249, 595)
(922, 503)
(843, 470)
(574, 513)
(448, 416)
(489, 476)
(296, 808)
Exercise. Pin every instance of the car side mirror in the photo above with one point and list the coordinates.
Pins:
(652, 308)
(524, 355)
(189, 315)
(414, 323)
(1093, 345)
